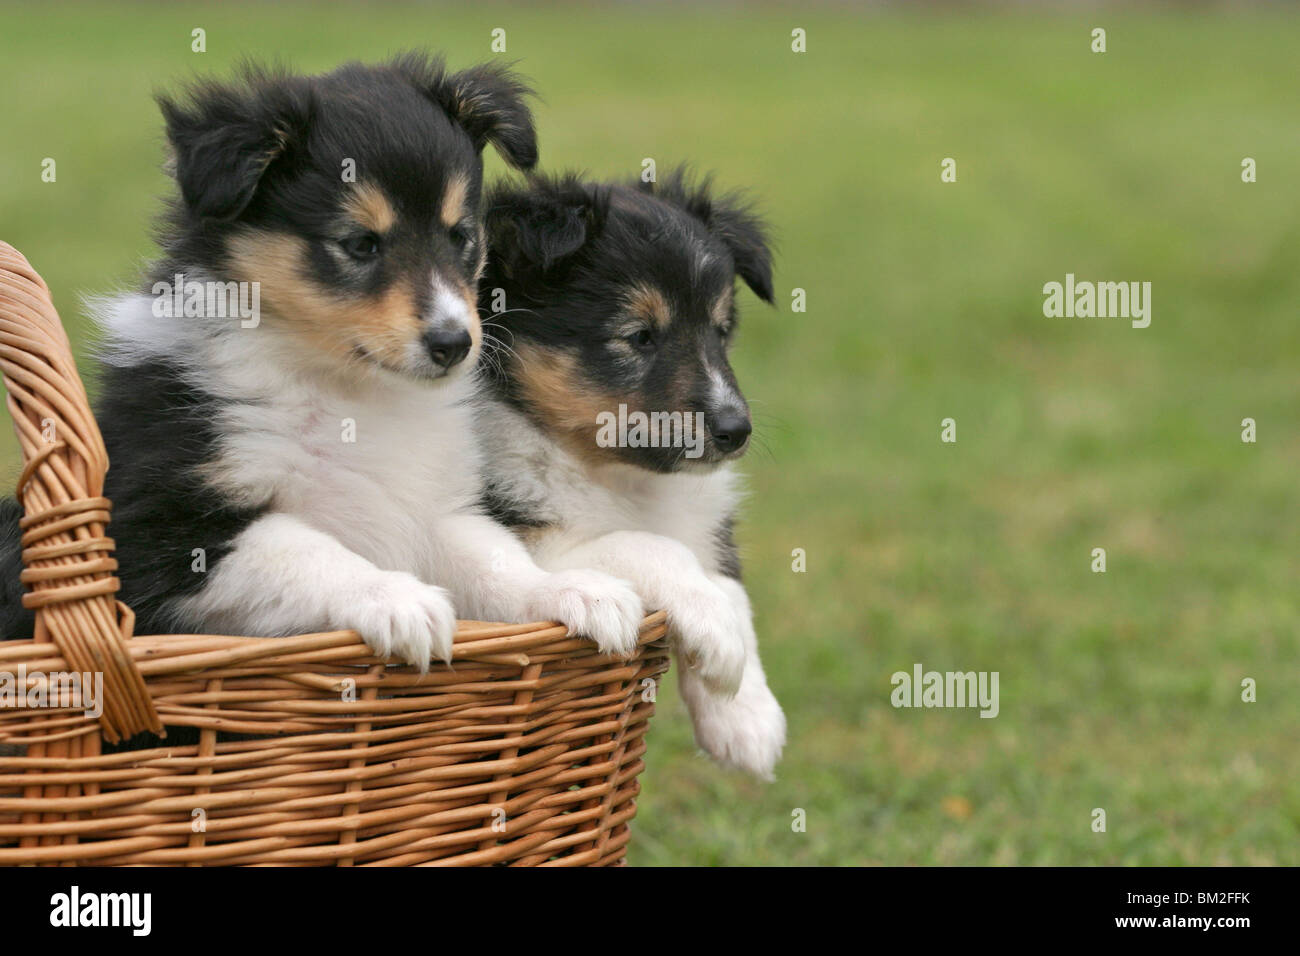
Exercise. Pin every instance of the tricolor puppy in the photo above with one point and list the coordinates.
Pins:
(614, 417)
(293, 452)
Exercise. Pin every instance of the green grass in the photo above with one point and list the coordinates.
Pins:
(1119, 690)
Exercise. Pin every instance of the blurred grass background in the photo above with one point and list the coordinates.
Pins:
(1118, 690)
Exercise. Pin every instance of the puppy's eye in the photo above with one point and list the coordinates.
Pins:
(363, 247)
(643, 340)
(725, 332)
(462, 236)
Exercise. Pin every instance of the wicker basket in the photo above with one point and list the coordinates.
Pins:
(525, 751)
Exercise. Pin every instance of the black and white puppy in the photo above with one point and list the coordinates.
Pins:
(309, 464)
(613, 416)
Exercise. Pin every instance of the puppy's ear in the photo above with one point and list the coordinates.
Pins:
(745, 234)
(535, 231)
(225, 137)
(732, 218)
(487, 101)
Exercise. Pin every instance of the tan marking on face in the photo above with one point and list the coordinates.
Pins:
(370, 208)
(720, 311)
(680, 387)
(384, 325)
(552, 385)
(454, 195)
(649, 303)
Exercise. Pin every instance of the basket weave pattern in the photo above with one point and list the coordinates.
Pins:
(524, 751)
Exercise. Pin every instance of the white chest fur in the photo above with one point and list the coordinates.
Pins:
(580, 503)
(374, 468)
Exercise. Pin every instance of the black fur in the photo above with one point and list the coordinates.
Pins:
(16, 621)
(159, 431)
(724, 537)
(731, 217)
(487, 101)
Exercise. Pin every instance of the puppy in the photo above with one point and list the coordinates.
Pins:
(609, 303)
(305, 461)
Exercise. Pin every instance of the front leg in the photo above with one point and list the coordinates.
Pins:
(493, 578)
(702, 620)
(283, 576)
(746, 731)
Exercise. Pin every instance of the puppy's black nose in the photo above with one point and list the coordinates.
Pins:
(729, 429)
(447, 347)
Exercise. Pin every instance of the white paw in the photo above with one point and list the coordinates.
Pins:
(592, 604)
(400, 616)
(746, 732)
(707, 629)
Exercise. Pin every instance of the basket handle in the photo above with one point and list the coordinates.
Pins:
(68, 561)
